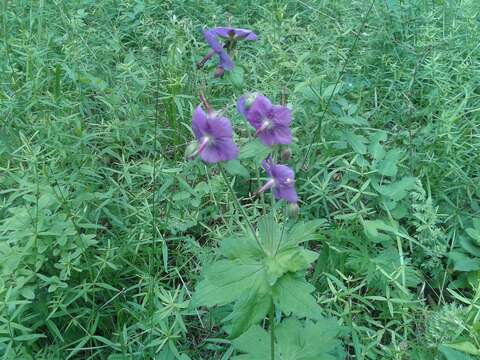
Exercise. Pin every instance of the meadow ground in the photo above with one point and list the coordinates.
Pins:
(105, 228)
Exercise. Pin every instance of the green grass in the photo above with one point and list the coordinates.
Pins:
(105, 228)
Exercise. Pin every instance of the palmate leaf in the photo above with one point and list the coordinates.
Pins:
(226, 280)
(294, 341)
(292, 295)
(288, 260)
(248, 311)
(254, 274)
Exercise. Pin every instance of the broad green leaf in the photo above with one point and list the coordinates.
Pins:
(249, 311)
(357, 142)
(376, 229)
(375, 148)
(236, 77)
(255, 340)
(451, 354)
(331, 90)
(289, 260)
(388, 166)
(225, 281)
(353, 120)
(295, 340)
(466, 347)
(461, 262)
(469, 245)
(234, 168)
(474, 233)
(254, 150)
(397, 190)
(302, 232)
(269, 234)
(240, 247)
(293, 295)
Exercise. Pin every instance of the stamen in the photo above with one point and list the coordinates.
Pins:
(270, 183)
(264, 126)
(203, 144)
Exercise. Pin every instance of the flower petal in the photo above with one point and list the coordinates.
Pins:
(261, 106)
(281, 173)
(288, 193)
(225, 60)
(243, 34)
(199, 122)
(219, 127)
(211, 39)
(276, 135)
(282, 115)
(221, 150)
(241, 106)
(267, 165)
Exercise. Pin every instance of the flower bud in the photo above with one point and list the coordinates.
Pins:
(293, 210)
(249, 99)
(286, 154)
(190, 150)
(219, 71)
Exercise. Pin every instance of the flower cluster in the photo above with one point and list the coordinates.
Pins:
(271, 122)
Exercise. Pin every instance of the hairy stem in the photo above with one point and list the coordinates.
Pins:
(239, 206)
(272, 331)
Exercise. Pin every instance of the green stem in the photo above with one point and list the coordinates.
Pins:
(272, 331)
(238, 205)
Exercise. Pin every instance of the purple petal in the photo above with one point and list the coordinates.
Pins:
(223, 31)
(241, 106)
(281, 173)
(222, 149)
(225, 60)
(243, 34)
(276, 135)
(211, 39)
(199, 122)
(219, 127)
(261, 106)
(267, 165)
(287, 193)
(282, 115)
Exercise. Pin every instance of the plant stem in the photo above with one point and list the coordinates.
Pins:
(272, 331)
(238, 205)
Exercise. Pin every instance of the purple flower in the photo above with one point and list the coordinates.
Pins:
(232, 35)
(272, 122)
(226, 62)
(214, 135)
(281, 180)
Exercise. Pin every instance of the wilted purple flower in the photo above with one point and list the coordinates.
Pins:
(272, 122)
(232, 35)
(214, 135)
(281, 180)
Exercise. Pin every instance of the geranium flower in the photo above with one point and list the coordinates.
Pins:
(272, 122)
(281, 181)
(232, 35)
(214, 135)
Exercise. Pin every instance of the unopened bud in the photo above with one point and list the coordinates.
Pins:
(293, 210)
(286, 154)
(219, 71)
(190, 150)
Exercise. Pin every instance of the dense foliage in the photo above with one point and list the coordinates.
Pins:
(112, 244)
